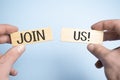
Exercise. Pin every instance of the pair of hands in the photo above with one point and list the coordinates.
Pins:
(110, 59)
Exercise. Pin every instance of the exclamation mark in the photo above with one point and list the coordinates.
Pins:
(88, 36)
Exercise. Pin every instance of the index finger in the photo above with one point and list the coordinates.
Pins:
(111, 25)
(112, 28)
(7, 29)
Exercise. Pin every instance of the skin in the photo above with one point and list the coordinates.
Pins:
(9, 58)
(109, 59)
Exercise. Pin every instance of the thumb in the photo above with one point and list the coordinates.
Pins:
(98, 50)
(13, 54)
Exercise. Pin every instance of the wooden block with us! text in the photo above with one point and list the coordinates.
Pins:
(82, 35)
(31, 36)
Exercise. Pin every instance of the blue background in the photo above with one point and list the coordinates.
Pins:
(56, 60)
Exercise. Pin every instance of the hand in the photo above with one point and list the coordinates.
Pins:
(8, 59)
(110, 59)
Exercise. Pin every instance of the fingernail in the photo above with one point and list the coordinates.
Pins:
(21, 48)
(91, 47)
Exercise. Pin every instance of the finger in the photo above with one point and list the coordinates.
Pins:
(4, 39)
(111, 25)
(13, 72)
(98, 64)
(98, 50)
(117, 49)
(111, 36)
(7, 29)
(13, 54)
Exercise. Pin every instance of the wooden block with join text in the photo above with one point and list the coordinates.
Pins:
(81, 35)
(31, 36)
